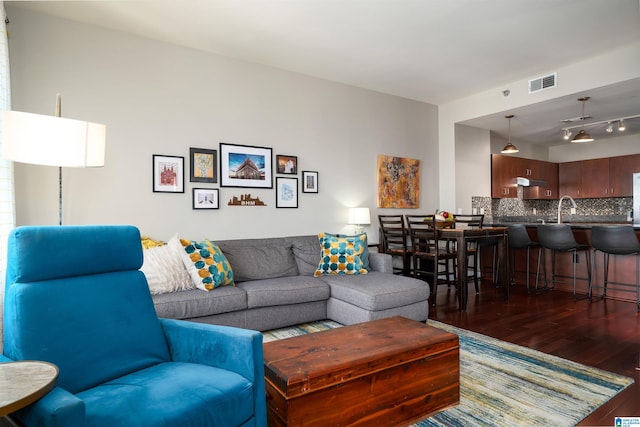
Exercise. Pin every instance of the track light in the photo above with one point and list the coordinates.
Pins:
(621, 126)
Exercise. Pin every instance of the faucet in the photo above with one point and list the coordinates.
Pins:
(573, 202)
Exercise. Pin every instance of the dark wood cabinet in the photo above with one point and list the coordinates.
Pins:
(505, 170)
(595, 178)
(546, 171)
(621, 170)
(584, 179)
(503, 176)
(598, 178)
(570, 179)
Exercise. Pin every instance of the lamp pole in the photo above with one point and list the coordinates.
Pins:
(58, 114)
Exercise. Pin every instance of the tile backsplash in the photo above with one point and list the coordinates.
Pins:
(615, 206)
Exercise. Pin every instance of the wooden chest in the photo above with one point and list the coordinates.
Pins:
(392, 371)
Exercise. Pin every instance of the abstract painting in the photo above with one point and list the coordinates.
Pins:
(398, 182)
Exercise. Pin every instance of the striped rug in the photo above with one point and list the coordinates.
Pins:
(503, 384)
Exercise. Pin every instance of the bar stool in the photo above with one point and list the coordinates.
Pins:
(615, 240)
(559, 238)
(519, 239)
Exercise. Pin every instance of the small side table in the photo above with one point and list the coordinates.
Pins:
(24, 382)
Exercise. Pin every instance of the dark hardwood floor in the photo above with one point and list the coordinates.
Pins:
(603, 334)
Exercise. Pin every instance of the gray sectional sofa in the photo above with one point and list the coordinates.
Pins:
(276, 288)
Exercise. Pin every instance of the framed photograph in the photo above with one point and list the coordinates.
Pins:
(286, 192)
(205, 198)
(168, 174)
(245, 166)
(309, 181)
(203, 165)
(287, 164)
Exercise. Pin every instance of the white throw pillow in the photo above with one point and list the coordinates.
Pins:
(165, 270)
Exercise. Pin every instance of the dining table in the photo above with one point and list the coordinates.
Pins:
(462, 236)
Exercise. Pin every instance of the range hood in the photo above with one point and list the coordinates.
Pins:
(530, 182)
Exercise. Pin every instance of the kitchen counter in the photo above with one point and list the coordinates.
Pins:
(576, 221)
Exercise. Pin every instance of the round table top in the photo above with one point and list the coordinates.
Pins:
(24, 382)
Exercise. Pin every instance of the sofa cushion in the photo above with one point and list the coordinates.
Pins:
(164, 269)
(197, 303)
(255, 259)
(284, 290)
(206, 264)
(377, 291)
(196, 395)
(340, 255)
(307, 253)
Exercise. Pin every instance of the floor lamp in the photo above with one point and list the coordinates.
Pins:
(52, 141)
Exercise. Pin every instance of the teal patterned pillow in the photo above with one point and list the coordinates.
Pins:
(365, 253)
(206, 264)
(341, 255)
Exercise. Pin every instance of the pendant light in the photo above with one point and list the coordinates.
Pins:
(509, 148)
(582, 136)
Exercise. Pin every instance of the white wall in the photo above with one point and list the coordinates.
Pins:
(619, 146)
(471, 164)
(613, 67)
(157, 98)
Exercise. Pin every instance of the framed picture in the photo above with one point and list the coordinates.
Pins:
(203, 165)
(287, 164)
(205, 198)
(286, 192)
(168, 174)
(309, 181)
(245, 166)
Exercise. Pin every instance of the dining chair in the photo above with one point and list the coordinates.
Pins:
(394, 237)
(430, 252)
(475, 246)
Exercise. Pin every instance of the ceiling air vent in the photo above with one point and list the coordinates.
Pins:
(541, 83)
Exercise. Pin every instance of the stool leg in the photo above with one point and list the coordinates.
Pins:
(606, 275)
(637, 288)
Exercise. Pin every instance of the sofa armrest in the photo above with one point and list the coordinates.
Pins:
(58, 408)
(380, 262)
(225, 347)
(234, 349)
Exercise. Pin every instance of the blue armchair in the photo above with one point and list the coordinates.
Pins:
(75, 297)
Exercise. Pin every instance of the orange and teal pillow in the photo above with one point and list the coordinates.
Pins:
(341, 255)
(206, 264)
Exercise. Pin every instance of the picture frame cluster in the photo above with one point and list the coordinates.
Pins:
(239, 166)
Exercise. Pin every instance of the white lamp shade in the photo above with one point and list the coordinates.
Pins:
(52, 141)
(359, 216)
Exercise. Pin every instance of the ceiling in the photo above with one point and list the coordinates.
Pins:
(434, 51)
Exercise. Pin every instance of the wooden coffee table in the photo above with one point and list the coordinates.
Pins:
(391, 371)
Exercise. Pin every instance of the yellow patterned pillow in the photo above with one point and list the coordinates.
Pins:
(148, 242)
(341, 255)
(206, 264)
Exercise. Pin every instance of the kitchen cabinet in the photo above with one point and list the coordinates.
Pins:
(546, 171)
(621, 170)
(598, 178)
(594, 178)
(570, 179)
(505, 170)
(503, 176)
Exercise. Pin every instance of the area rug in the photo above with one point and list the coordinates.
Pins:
(503, 384)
